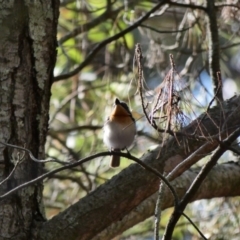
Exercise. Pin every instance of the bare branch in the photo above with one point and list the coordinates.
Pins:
(223, 146)
(87, 26)
(17, 162)
(210, 188)
(99, 46)
(31, 155)
(133, 183)
(79, 162)
(194, 225)
(77, 128)
(187, 5)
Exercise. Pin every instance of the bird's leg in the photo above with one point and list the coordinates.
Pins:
(128, 152)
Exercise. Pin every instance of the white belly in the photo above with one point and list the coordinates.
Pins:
(117, 136)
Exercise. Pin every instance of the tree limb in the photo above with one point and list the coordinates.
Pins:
(99, 46)
(125, 191)
(197, 183)
(212, 187)
(89, 25)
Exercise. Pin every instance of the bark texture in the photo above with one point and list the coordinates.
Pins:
(213, 186)
(27, 58)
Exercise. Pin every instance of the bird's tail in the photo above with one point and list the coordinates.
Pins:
(115, 161)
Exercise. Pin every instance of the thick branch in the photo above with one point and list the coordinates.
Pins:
(124, 192)
(197, 183)
(212, 187)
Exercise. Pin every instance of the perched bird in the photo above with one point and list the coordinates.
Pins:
(119, 130)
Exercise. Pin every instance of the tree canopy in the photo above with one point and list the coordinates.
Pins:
(175, 63)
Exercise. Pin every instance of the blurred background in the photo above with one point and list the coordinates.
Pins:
(82, 99)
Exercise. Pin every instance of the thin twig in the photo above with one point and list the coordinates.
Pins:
(187, 5)
(158, 210)
(76, 128)
(188, 162)
(89, 25)
(194, 225)
(79, 162)
(170, 32)
(219, 87)
(223, 146)
(31, 155)
(19, 160)
(99, 46)
(138, 56)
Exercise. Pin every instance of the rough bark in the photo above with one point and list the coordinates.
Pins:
(213, 186)
(27, 59)
(123, 193)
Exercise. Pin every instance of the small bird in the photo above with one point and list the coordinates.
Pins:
(119, 130)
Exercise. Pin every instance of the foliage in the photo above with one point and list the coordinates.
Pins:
(82, 100)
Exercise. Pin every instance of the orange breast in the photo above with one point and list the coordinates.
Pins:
(121, 116)
(122, 120)
(120, 111)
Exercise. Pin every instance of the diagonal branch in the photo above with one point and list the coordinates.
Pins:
(125, 191)
(102, 44)
(89, 25)
(223, 146)
(210, 188)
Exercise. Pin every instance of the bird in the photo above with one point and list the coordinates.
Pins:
(119, 130)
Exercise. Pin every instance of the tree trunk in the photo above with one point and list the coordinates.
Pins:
(27, 58)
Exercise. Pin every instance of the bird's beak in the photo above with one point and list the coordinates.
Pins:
(117, 101)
